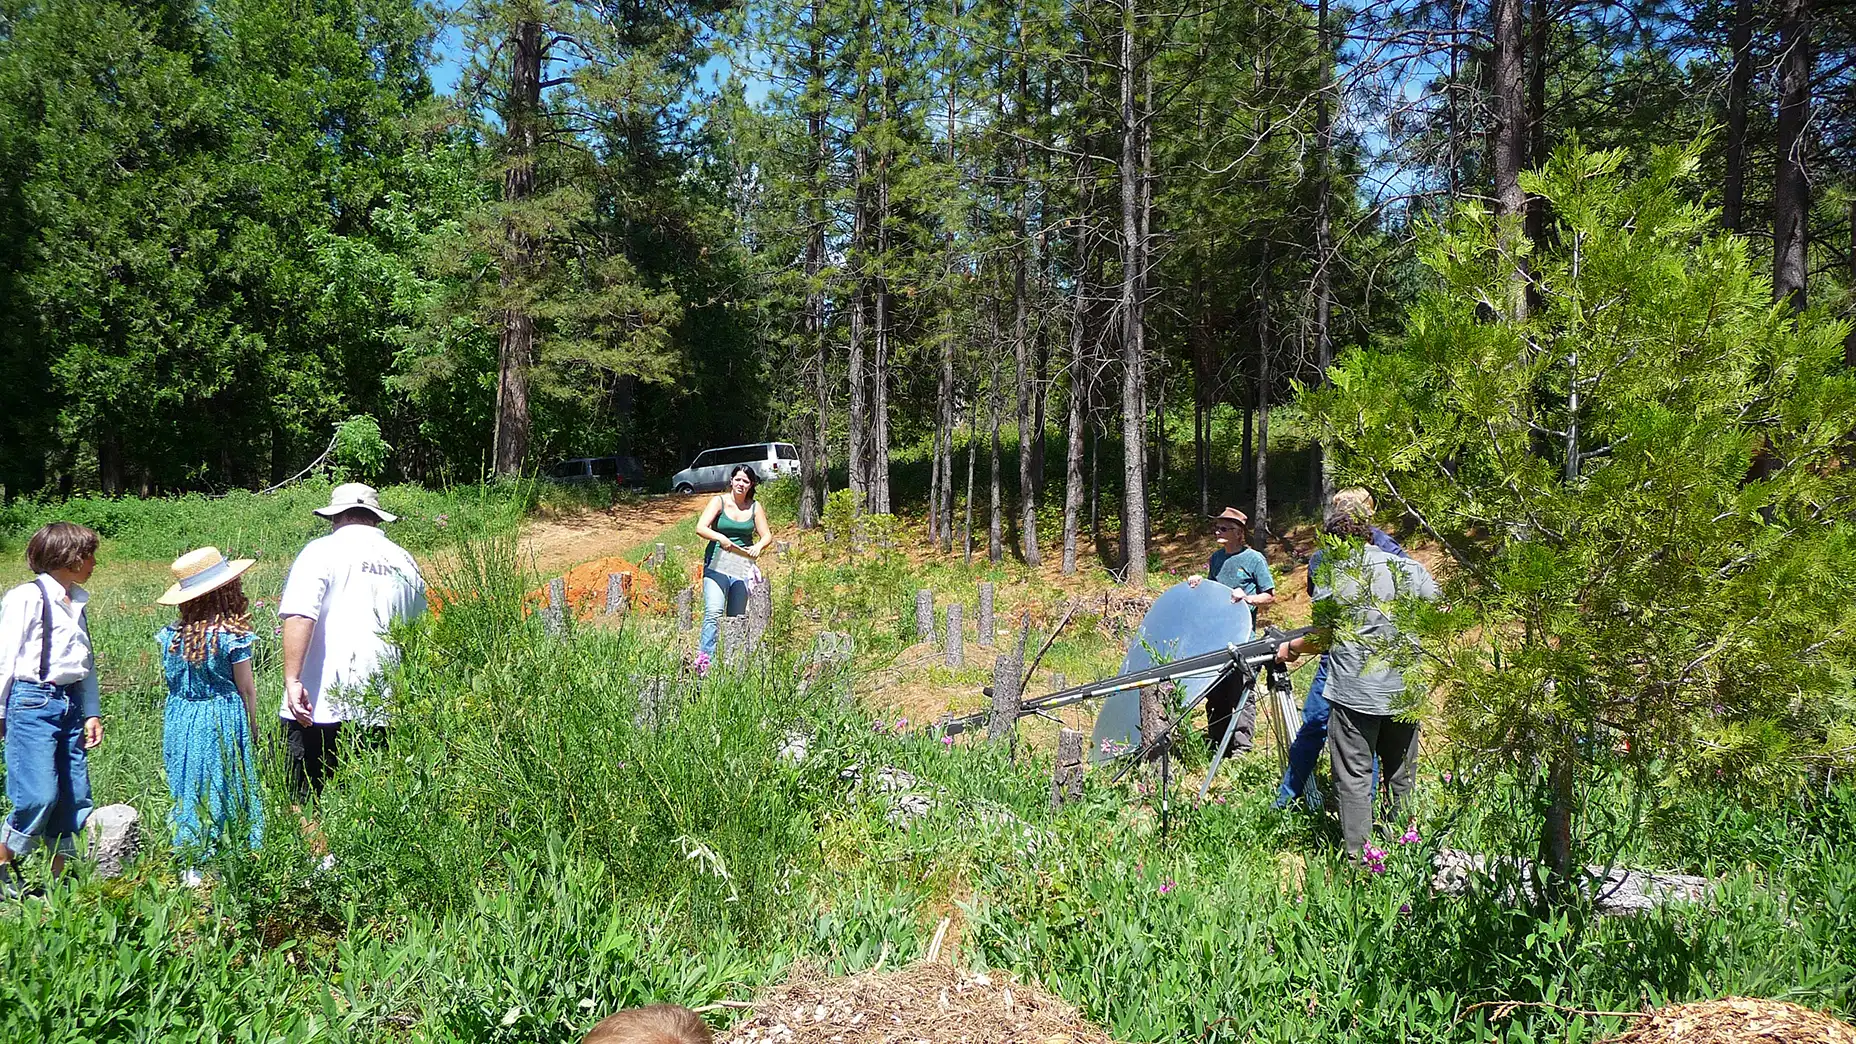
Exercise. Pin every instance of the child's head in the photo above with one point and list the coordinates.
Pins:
(655, 1024)
(222, 609)
(63, 546)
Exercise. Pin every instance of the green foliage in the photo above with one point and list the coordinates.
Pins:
(360, 454)
(527, 856)
(1638, 486)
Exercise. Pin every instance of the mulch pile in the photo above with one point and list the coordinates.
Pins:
(1738, 1020)
(928, 1003)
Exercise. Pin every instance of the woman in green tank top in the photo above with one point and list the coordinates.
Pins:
(735, 525)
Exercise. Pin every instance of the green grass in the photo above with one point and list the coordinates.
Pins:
(527, 855)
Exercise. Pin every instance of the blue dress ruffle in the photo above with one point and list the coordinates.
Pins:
(212, 773)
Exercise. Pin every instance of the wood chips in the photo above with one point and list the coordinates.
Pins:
(1738, 1020)
(928, 1003)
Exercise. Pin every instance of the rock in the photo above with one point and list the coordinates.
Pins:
(115, 836)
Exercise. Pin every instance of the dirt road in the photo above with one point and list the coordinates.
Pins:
(556, 544)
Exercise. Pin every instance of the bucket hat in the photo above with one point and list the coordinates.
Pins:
(200, 572)
(351, 495)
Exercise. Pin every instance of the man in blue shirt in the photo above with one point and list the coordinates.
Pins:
(1305, 749)
(1246, 572)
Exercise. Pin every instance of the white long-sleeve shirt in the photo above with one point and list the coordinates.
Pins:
(72, 661)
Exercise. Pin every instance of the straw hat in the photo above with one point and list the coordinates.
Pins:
(350, 495)
(198, 572)
(1353, 501)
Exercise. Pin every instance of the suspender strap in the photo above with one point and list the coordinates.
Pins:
(45, 633)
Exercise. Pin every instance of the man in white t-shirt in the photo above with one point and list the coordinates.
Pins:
(345, 590)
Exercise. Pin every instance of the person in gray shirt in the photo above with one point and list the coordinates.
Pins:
(1365, 685)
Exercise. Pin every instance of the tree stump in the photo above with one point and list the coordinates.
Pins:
(1058, 682)
(924, 616)
(653, 702)
(955, 642)
(734, 640)
(984, 620)
(655, 560)
(685, 598)
(760, 612)
(1006, 679)
(1153, 720)
(1066, 778)
(616, 600)
(554, 617)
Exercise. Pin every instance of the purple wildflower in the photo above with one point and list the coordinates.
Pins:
(947, 741)
(1410, 836)
(1375, 858)
(1167, 887)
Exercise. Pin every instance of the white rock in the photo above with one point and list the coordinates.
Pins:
(115, 836)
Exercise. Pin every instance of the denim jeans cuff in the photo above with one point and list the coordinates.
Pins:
(16, 841)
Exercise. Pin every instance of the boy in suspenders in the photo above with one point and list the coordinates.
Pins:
(48, 688)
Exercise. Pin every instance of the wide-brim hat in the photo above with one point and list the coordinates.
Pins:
(201, 572)
(1231, 514)
(351, 495)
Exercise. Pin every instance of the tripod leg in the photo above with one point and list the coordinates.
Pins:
(1224, 744)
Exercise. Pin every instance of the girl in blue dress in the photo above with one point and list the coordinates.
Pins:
(212, 774)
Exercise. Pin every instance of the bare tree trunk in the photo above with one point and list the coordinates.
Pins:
(858, 455)
(814, 449)
(1073, 428)
(1539, 25)
(1791, 191)
(515, 350)
(1021, 354)
(1510, 141)
(1260, 508)
(1849, 341)
(1739, 87)
(973, 442)
(1324, 248)
(995, 544)
(1133, 375)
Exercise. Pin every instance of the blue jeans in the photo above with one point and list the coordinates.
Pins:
(47, 771)
(1305, 749)
(720, 594)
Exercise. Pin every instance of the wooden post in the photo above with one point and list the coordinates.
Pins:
(985, 618)
(1066, 779)
(1005, 697)
(760, 611)
(924, 616)
(955, 642)
(554, 617)
(616, 601)
(1058, 682)
(684, 599)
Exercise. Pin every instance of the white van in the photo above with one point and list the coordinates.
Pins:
(709, 471)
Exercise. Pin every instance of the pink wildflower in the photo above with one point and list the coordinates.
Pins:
(1410, 836)
(947, 741)
(1375, 858)
(1167, 887)
(1446, 777)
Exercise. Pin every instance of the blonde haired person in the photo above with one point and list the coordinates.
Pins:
(209, 725)
(652, 1024)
